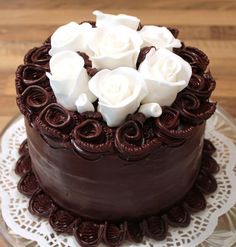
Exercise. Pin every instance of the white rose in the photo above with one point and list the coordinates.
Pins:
(160, 37)
(68, 78)
(114, 47)
(119, 92)
(166, 74)
(104, 20)
(71, 36)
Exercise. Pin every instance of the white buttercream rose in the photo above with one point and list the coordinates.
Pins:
(71, 36)
(113, 47)
(165, 74)
(68, 78)
(104, 20)
(160, 37)
(119, 93)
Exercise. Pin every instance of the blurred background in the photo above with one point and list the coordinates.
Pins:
(209, 25)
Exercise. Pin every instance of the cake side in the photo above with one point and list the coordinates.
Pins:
(107, 188)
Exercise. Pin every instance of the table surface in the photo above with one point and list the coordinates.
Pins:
(207, 24)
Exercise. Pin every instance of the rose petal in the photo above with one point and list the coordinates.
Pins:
(166, 74)
(71, 36)
(68, 78)
(160, 37)
(104, 20)
(113, 47)
(151, 110)
(83, 104)
(119, 92)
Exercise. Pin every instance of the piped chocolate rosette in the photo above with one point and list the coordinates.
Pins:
(115, 86)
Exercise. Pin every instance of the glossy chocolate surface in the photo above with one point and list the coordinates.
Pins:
(111, 188)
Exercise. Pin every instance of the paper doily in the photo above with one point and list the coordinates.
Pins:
(37, 232)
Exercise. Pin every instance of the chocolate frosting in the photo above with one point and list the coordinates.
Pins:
(83, 175)
(38, 56)
(107, 188)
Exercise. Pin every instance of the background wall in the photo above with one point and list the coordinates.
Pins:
(207, 24)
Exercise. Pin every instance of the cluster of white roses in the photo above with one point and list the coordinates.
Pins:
(113, 47)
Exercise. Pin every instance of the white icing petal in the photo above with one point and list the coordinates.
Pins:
(165, 74)
(83, 104)
(113, 47)
(160, 37)
(119, 92)
(71, 36)
(68, 78)
(104, 20)
(151, 110)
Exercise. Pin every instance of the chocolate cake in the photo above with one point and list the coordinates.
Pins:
(102, 165)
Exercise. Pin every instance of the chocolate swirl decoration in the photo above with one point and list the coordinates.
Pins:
(41, 204)
(129, 139)
(206, 183)
(195, 57)
(30, 74)
(23, 149)
(92, 115)
(28, 184)
(142, 55)
(195, 201)
(92, 136)
(88, 233)
(192, 109)
(55, 122)
(62, 221)
(114, 234)
(33, 100)
(208, 147)
(38, 56)
(178, 216)
(168, 127)
(155, 227)
(202, 85)
(23, 165)
(209, 164)
(135, 231)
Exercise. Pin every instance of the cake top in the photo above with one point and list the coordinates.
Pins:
(121, 86)
(107, 81)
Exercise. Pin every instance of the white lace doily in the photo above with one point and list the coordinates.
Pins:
(32, 231)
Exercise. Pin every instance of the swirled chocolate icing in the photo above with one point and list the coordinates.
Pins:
(110, 184)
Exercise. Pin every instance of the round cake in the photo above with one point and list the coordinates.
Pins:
(115, 115)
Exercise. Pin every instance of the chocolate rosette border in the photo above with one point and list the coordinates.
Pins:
(130, 141)
(38, 56)
(192, 109)
(55, 124)
(92, 136)
(167, 127)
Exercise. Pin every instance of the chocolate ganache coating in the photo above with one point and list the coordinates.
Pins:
(139, 169)
(106, 188)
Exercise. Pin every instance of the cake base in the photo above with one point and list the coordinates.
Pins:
(91, 233)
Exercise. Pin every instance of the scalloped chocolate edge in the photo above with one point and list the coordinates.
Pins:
(91, 233)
